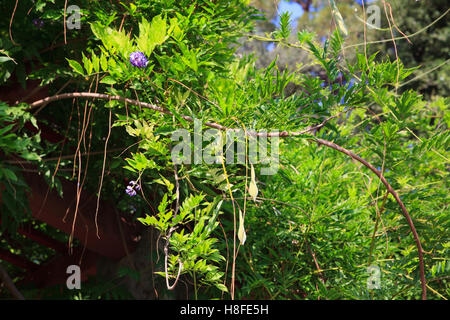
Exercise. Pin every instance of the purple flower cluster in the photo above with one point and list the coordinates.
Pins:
(132, 188)
(138, 59)
(38, 23)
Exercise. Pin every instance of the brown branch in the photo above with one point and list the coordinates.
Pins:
(267, 134)
(6, 279)
(10, 24)
(319, 270)
(165, 111)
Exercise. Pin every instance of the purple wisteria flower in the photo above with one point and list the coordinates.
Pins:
(135, 185)
(38, 23)
(138, 59)
(130, 191)
(132, 188)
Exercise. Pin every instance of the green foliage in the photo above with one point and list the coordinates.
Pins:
(285, 29)
(14, 208)
(194, 250)
(308, 232)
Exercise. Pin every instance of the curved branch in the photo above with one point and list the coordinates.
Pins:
(397, 198)
(267, 134)
(171, 287)
(146, 105)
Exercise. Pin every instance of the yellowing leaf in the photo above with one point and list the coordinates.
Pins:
(338, 18)
(242, 236)
(253, 189)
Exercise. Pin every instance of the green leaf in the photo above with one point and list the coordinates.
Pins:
(151, 35)
(338, 18)
(76, 66)
(98, 30)
(6, 129)
(305, 36)
(285, 30)
(87, 64)
(143, 40)
(221, 287)
(104, 62)
(9, 174)
(158, 30)
(108, 80)
(30, 156)
(96, 63)
(4, 59)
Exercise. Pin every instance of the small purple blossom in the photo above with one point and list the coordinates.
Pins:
(132, 188)
(138, 59)
(38, 23)
(130, 191)
(135, 185)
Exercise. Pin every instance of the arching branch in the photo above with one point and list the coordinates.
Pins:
(397, 198)
(217, 126)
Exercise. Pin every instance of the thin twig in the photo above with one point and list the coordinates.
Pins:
(169, 234)
(319, 270)
(64, 22)
(165, 111)
(402, 37)
(395, 47)
(10, 24)
(103, 171)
